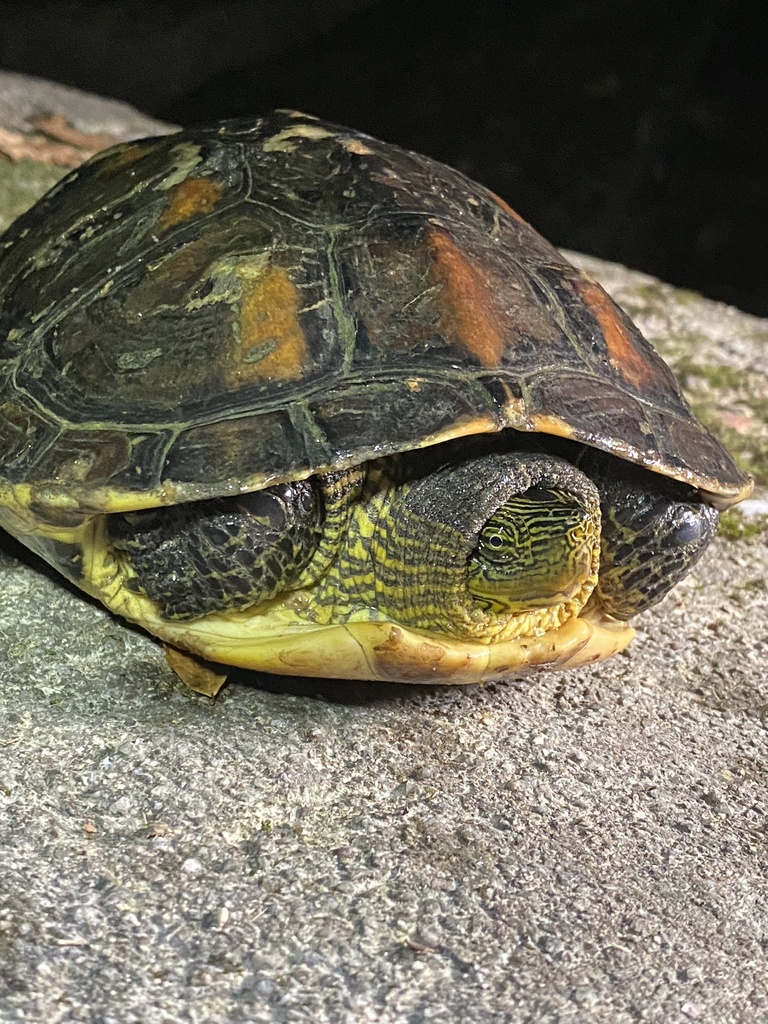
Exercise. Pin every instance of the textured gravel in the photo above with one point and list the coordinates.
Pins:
(579, 846)
(589, 846)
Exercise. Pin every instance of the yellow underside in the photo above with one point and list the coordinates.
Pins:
(387, 651)
(274, 638)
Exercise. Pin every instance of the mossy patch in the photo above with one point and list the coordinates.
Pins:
(749, 453)
(715, 390)
(649, 293)
(756, 585)
(21, 184)
(716, 375)
(735, 526)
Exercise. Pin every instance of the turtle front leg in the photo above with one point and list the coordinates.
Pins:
(224, 553)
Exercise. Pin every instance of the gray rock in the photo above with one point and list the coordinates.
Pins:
(568, 847)
(23, 98)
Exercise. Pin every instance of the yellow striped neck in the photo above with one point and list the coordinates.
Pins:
(419, 552)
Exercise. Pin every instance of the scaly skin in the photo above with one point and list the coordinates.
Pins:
(491, 548)
(398, 574)
(500, 545)
(412, 552)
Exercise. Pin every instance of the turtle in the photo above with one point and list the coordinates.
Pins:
(297, 400)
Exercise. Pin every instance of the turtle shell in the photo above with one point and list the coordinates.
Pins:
(215, 310)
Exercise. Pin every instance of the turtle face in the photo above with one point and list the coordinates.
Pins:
(535, 551)
(486, 549)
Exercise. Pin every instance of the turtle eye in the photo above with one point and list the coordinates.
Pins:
(499, 542)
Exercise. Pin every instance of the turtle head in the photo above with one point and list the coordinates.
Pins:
(505, 544)
(535, 551)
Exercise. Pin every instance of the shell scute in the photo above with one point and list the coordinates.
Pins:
(258, 300)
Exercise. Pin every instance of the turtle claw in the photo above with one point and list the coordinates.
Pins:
(199, 675)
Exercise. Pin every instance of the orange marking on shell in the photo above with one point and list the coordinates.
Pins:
(192, 196)
(123, 156)
(623, 353)
(468, 300)
(272, 343)
(507, 208)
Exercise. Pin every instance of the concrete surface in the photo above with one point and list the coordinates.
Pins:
(586, 846)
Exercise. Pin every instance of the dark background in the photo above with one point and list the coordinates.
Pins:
(634, 131)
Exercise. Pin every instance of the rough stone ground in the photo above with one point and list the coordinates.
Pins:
(587, 846)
